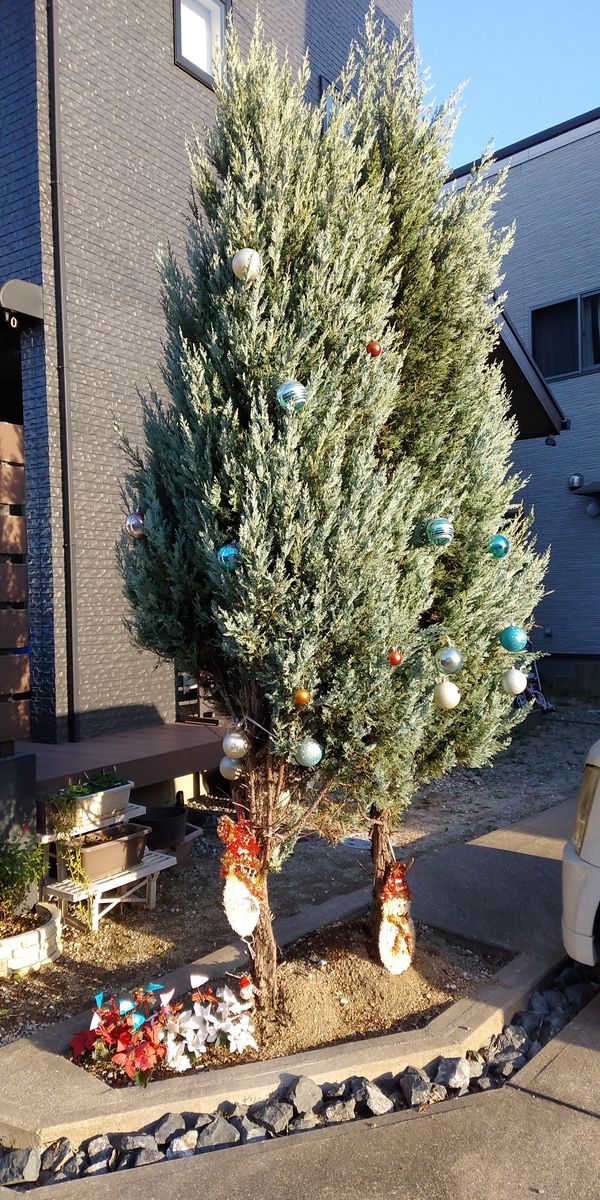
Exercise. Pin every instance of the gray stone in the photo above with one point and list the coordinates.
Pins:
(228, 1109)
(538, 1004)
(453, 1072)
(517, 1036)
(56, 1155)
(338, 1111)
(248, 1131)
(503, 1058)
(369, 1097)
(333, 1091)
(438, 1092)
(146, 1157)
(579, 994)
(310, 1120)
(556, 999)
(529, 1021)
(273, 1115)
(533, 1049)
(136, 1141)
(98, 1167)
(415, 1086)
(73, 1168)
(304, 1094)
(19, 1166)
(475, 1068)
(127, 1160)
(483, 1083)
(169, 1126)
(184, 1145)
(96, 1146)
(552, 1025)
(202, 1120)
(219, 1133)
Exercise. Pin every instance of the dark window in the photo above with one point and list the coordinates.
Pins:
(590, 332)
(199, 33)
(555, 338)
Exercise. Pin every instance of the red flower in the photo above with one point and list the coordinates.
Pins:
(83, 1042)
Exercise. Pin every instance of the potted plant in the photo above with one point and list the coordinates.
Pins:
(107, 852)
(84, 805)
(21, 866)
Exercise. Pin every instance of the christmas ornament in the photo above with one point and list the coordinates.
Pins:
(513, 638)
(134, 525)
(446, 695)
(396, 932)
(374, 349)
(291, 395)
(395, 657)
(308, 753)
(246, 265)
(241, 868)
(246, 988)
(440, 531)
(236, 744)
(499, 546)
(450, 660)
(301, 697)
(242, 909)
(230, 768)
(229, 556)
(514, 681)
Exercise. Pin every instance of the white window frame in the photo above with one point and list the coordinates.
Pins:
(188, 64)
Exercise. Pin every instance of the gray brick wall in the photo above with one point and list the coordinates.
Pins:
(554, 199)
(126, 111)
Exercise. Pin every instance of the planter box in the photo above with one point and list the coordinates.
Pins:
(167, 825)
(30, 950)
(89, 811)
(121, 853)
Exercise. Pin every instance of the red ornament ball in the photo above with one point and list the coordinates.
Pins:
(374, 349)
(301, 697)
(395, 658)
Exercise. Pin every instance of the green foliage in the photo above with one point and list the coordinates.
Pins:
(21, 865)
(101, 781)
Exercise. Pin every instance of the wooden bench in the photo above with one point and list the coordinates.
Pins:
(105, 894)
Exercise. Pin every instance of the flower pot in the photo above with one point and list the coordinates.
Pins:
(123, 849)
(88, 811)
(167, 825)
(24, 952)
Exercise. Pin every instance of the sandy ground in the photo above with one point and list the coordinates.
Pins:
(542, 767)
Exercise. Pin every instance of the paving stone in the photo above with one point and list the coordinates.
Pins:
(370, 1098)
(19, 1166)
(304, 1094)
(55, 1155)
(453, 1072)
(415, 1086)
(184, 1145)
(339, 1110)
(301, 1124)
(219, 1133)
(273, 1115)
(169, 1126)
(248, 1131)
(146, 1157)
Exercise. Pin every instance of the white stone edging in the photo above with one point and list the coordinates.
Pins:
(32, 949)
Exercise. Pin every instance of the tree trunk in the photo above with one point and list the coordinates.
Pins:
(383, 858)
(265, 959)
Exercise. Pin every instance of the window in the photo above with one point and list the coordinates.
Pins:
(590, 332)
(199, 33)
(555, 340)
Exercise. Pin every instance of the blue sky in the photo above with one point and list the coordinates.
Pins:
(531, 64)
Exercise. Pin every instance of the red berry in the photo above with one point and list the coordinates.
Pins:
(374, 349)
(395, 658)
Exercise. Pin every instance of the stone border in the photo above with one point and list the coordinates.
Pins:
(30, 950)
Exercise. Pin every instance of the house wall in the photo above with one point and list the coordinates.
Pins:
(552, 194)
(126, 110)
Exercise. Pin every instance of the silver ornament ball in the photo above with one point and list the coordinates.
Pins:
(246, 265)
(449, 660)
(514, 681)
(308, 753)
(230, 768)
(440, 531)
(291, 395)
(134, 525)
(236, 743)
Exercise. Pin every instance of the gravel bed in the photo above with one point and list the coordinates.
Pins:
(305, 1105)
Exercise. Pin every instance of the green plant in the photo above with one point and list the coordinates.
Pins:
(101, 781)
(21, 865)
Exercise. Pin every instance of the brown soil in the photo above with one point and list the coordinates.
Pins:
(542, 767)
(11, 926)
(333, 990)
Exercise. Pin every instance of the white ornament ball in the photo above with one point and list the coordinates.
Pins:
(241, 907)
(246, 265)
(236, 744)
(446, 695)
(230, 768)
(308, 753)
(514, 681)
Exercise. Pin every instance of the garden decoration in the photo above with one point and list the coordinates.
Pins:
(246, 265)
(291, 454)
(396, 931)
(242, 870)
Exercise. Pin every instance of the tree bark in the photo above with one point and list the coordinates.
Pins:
(383, 858)
(265, 959)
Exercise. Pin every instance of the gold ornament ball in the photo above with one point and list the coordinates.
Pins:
(301, 697)
(446, 695)
(230, 768)
(246, 265)
(514, 681)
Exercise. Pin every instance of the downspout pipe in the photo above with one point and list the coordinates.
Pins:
(64, 384)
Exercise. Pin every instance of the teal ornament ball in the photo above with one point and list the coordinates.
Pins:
(499, 546)
(440, 531)
(308, 753)
(449, 660)
(291, 395)
(513, 638)
(229, 556)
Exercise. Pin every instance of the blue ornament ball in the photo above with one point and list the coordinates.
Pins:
(499, 546)
(440, 531)
(291, 395)
(513, 638)
(229, 556)
(308, 753)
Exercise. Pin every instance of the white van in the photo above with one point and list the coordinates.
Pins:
(581, 869)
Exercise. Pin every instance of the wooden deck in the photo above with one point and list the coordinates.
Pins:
(150, 755)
